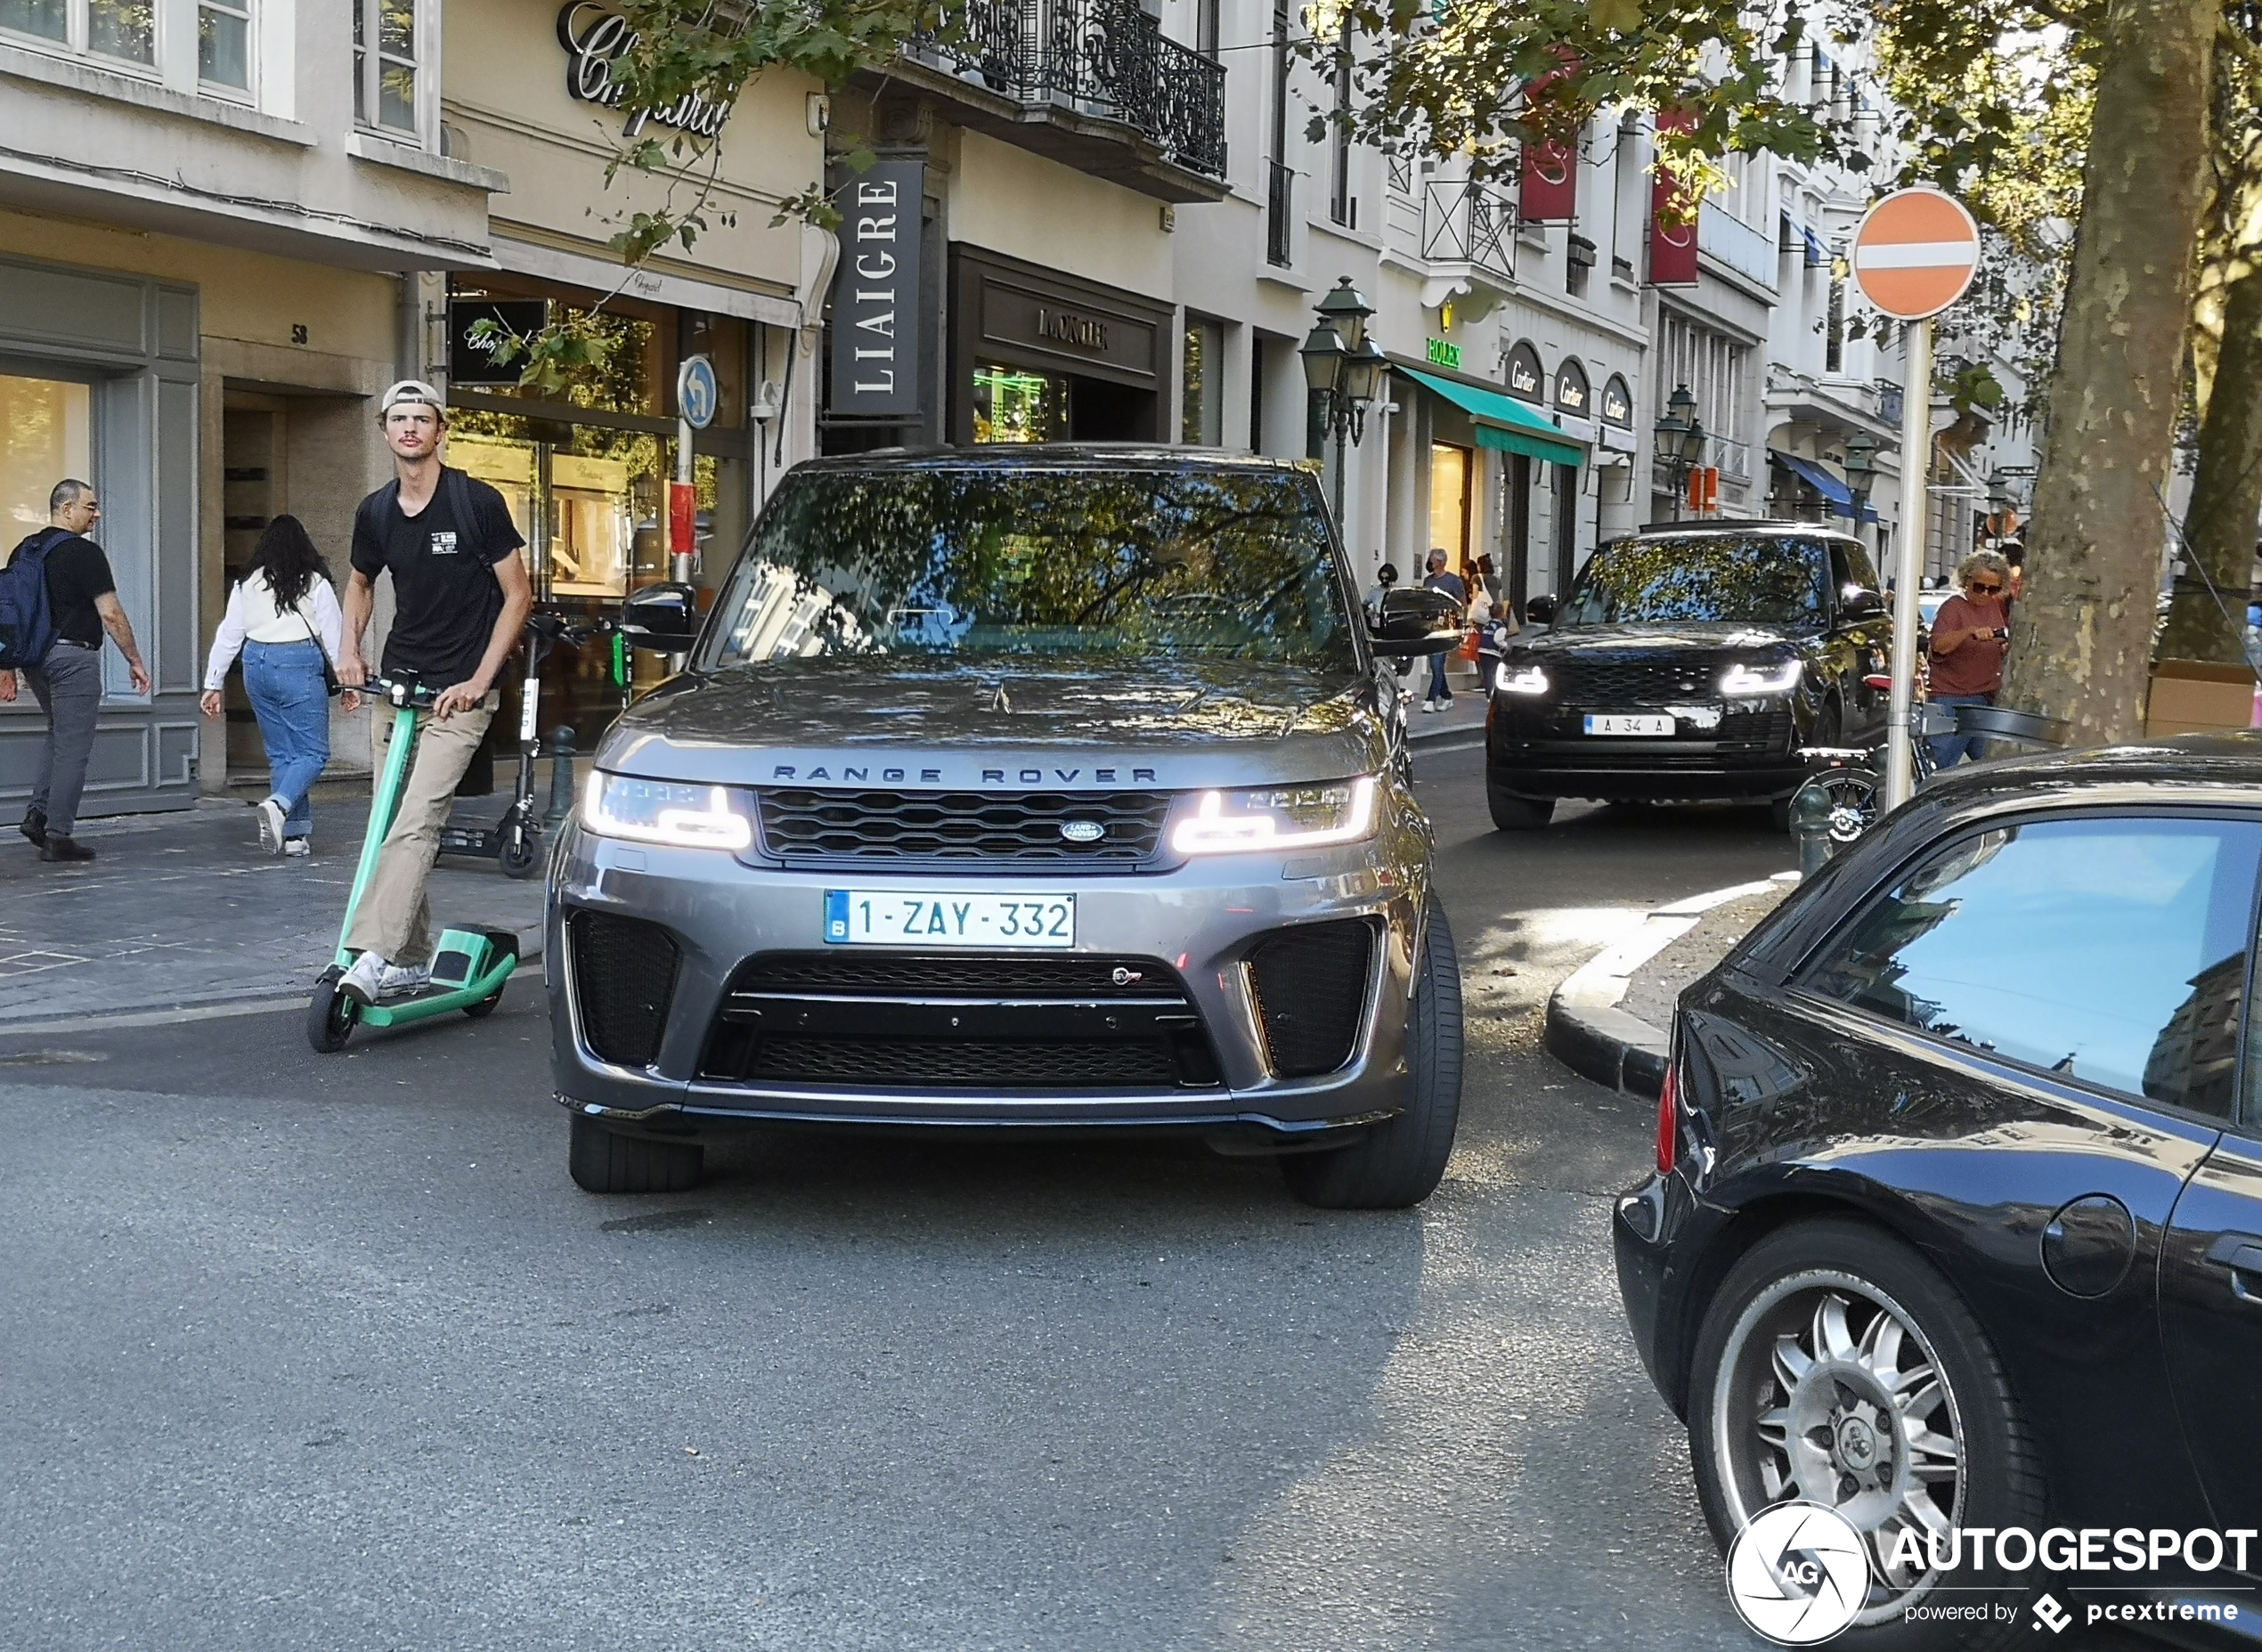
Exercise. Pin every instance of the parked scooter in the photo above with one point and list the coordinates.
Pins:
(515, 841)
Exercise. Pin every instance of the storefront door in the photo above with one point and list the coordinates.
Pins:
(1449, 476)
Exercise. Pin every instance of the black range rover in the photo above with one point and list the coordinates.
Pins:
(1689, 662)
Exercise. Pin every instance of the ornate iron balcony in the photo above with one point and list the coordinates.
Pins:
(1470, 222)
(1090, 59)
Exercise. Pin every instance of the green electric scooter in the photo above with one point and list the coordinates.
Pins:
(469, 966)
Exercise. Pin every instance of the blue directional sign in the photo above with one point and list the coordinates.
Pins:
(695, 393)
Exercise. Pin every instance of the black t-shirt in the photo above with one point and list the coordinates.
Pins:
(76, 573)
(446, 596)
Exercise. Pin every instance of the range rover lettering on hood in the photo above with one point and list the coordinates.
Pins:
(989, 776)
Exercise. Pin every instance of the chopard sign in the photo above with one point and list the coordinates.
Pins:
(593, 37)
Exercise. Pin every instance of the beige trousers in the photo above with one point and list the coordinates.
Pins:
(394, 920)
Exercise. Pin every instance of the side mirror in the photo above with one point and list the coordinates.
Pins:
(1858, 602)
(1540, 610)
(1416, 621)
(662, 618)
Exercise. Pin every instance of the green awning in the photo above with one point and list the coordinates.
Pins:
(1504, 423)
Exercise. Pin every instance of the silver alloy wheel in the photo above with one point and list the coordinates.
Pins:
(1829, 1392)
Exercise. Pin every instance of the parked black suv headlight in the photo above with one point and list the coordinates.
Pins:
(1510, 678)
(1774, 677)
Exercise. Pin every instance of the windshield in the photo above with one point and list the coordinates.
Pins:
(1766, 582)
(972, 563)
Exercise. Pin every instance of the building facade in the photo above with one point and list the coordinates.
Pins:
(1088, 220)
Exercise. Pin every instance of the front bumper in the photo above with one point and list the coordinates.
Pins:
(1202, 919)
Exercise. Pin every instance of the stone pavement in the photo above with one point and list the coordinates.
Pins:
(182, 910)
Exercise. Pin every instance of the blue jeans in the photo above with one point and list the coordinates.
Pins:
(285, 682)
(1437, 688)
(1948, 748)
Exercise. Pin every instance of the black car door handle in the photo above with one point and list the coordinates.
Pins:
(2241, 1253)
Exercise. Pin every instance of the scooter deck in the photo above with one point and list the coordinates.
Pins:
(440, 1003)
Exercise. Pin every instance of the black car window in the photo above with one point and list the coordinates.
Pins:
(1766, 580)
(1850, 565)
(2113, 950)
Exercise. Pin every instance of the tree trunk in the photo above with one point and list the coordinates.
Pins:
(2081, 638)
(2226, 494)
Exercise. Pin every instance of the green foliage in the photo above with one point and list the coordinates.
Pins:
(1483, 78)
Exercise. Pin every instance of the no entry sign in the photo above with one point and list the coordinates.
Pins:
(1915, 253)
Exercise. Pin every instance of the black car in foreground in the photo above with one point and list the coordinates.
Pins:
(1956, 1220)
(1689, 662)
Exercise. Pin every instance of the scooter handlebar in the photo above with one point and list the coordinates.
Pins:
(399, 691)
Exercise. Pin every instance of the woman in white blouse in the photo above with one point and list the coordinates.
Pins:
(282, 617)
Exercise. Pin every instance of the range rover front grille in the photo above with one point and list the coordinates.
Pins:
(808, 826)
(913, 1022)
(1634, 681)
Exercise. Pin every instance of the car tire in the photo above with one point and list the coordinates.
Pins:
(1753, 1433)
(603, 1160)
(1511, 813)
(1400, 1161)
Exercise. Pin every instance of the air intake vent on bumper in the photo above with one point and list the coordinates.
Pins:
(1310, 983)
(623, 976)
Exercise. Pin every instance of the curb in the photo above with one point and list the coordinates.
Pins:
(1590, 1034)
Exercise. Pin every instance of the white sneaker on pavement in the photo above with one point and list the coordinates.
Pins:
(298, 846)
(271, 826)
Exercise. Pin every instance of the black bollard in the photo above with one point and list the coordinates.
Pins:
(561, 779)
(1810, 826)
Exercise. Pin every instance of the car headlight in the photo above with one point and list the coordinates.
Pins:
(1519, 680)
(1742, 678)
(664, 811)
(1287, 817)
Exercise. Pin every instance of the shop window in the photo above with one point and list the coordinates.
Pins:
(1202, 418)
(386, 60)
(1449, 467)
(1013, 406)
(46, 433)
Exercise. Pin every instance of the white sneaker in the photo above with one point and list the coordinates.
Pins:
(401, 979)
(298, 846)
(1430, 705)
(363, 981)
(271, 826)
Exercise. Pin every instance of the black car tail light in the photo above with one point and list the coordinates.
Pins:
(623, 976)
(1668, 1119)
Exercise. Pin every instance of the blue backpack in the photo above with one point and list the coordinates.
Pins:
(27, 619)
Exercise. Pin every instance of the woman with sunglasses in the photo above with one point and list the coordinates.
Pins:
(1971, 634)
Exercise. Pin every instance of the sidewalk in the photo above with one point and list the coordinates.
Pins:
(182, 910)
(1611, 1020)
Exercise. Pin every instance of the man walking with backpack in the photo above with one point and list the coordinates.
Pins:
(57, 598)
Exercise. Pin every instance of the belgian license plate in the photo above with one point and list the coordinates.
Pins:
(891, 917)
(1622, 723)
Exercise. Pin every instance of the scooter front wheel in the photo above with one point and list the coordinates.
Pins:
(521, 854)
(330, 1014)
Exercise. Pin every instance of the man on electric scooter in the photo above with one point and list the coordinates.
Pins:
(460, 595)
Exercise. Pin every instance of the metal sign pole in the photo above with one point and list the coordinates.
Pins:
(1916, 471)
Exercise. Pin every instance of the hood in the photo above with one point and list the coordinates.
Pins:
(1706, 636)
(860, 719)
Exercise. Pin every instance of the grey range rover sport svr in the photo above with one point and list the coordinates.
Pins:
(1052, 788)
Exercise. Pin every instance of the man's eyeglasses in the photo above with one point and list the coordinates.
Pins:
(1983, 591)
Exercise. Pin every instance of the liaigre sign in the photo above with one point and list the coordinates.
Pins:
(876, 294)
(593, 37)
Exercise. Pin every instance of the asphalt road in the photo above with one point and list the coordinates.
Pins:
(306, 1352)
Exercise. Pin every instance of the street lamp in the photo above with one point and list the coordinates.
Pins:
(1680, 440)
(1861, 471)
(1344, 369)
